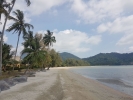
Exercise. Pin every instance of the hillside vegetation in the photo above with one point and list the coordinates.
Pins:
(75, 62)
(69, 59)
(66, 55)
(111, 59)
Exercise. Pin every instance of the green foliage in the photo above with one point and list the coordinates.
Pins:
(49, 39)
(56, 60)
(7, 54)
(19, 26)
(47, 60)
(74, 62)
(111, 59)
(29, 39)
(35, 56)
(28, 2)
(35, 53)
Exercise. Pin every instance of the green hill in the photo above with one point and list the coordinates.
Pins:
(66, 55)
(111, 59)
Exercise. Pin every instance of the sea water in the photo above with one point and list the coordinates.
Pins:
(117, 77)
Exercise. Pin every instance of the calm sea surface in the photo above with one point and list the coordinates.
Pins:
(117, 77)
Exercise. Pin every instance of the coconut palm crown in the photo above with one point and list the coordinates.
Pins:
(35, 56)
(49, 39)
(9, 7)
(19, 26)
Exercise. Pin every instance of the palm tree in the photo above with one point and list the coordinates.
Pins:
(10, 7)
(29, 39)
(49, 39)
(35, 56)
(19, 26)
(47, 61)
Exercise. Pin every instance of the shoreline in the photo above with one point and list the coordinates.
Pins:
(62, 84)
(116, 84)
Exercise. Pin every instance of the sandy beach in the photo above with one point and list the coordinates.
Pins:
(61, 84)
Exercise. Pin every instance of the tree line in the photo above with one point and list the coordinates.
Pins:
(36, 47)
(74, 62)
(5, 9)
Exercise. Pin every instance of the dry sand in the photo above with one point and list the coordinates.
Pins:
(61, 84)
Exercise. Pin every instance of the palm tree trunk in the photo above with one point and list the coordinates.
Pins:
(28, 68)
(0, 57)
(1, 43)
(48, 67)
(2, 34)
(16, 48)
(48, 48)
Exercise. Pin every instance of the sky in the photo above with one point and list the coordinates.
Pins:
(81, 27)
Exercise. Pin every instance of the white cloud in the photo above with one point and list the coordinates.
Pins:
(78, 21)
(53, 12)
(131, 49)
(74, 41)
(38, 7)
(9, 22)
(122, 25)
(103, 27)
(82, 49)
(92, 11)
(20, 48)
(5, 38)
(119, 25)
(94, 39)
(125, 40)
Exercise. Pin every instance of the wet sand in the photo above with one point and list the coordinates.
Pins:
(61, 84)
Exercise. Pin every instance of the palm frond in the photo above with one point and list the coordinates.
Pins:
(26, 50)
(13, 1)
(12, 18)
(15, 27)
(28, 2)
(24, 31)
(3, 11)
(26, 25)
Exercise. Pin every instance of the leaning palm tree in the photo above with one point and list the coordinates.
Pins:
(35, 56)
(9, 6)
(19, 26)
(49, 39)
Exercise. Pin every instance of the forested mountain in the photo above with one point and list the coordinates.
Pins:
(66, 55)
(111, 59)
(72, 60)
